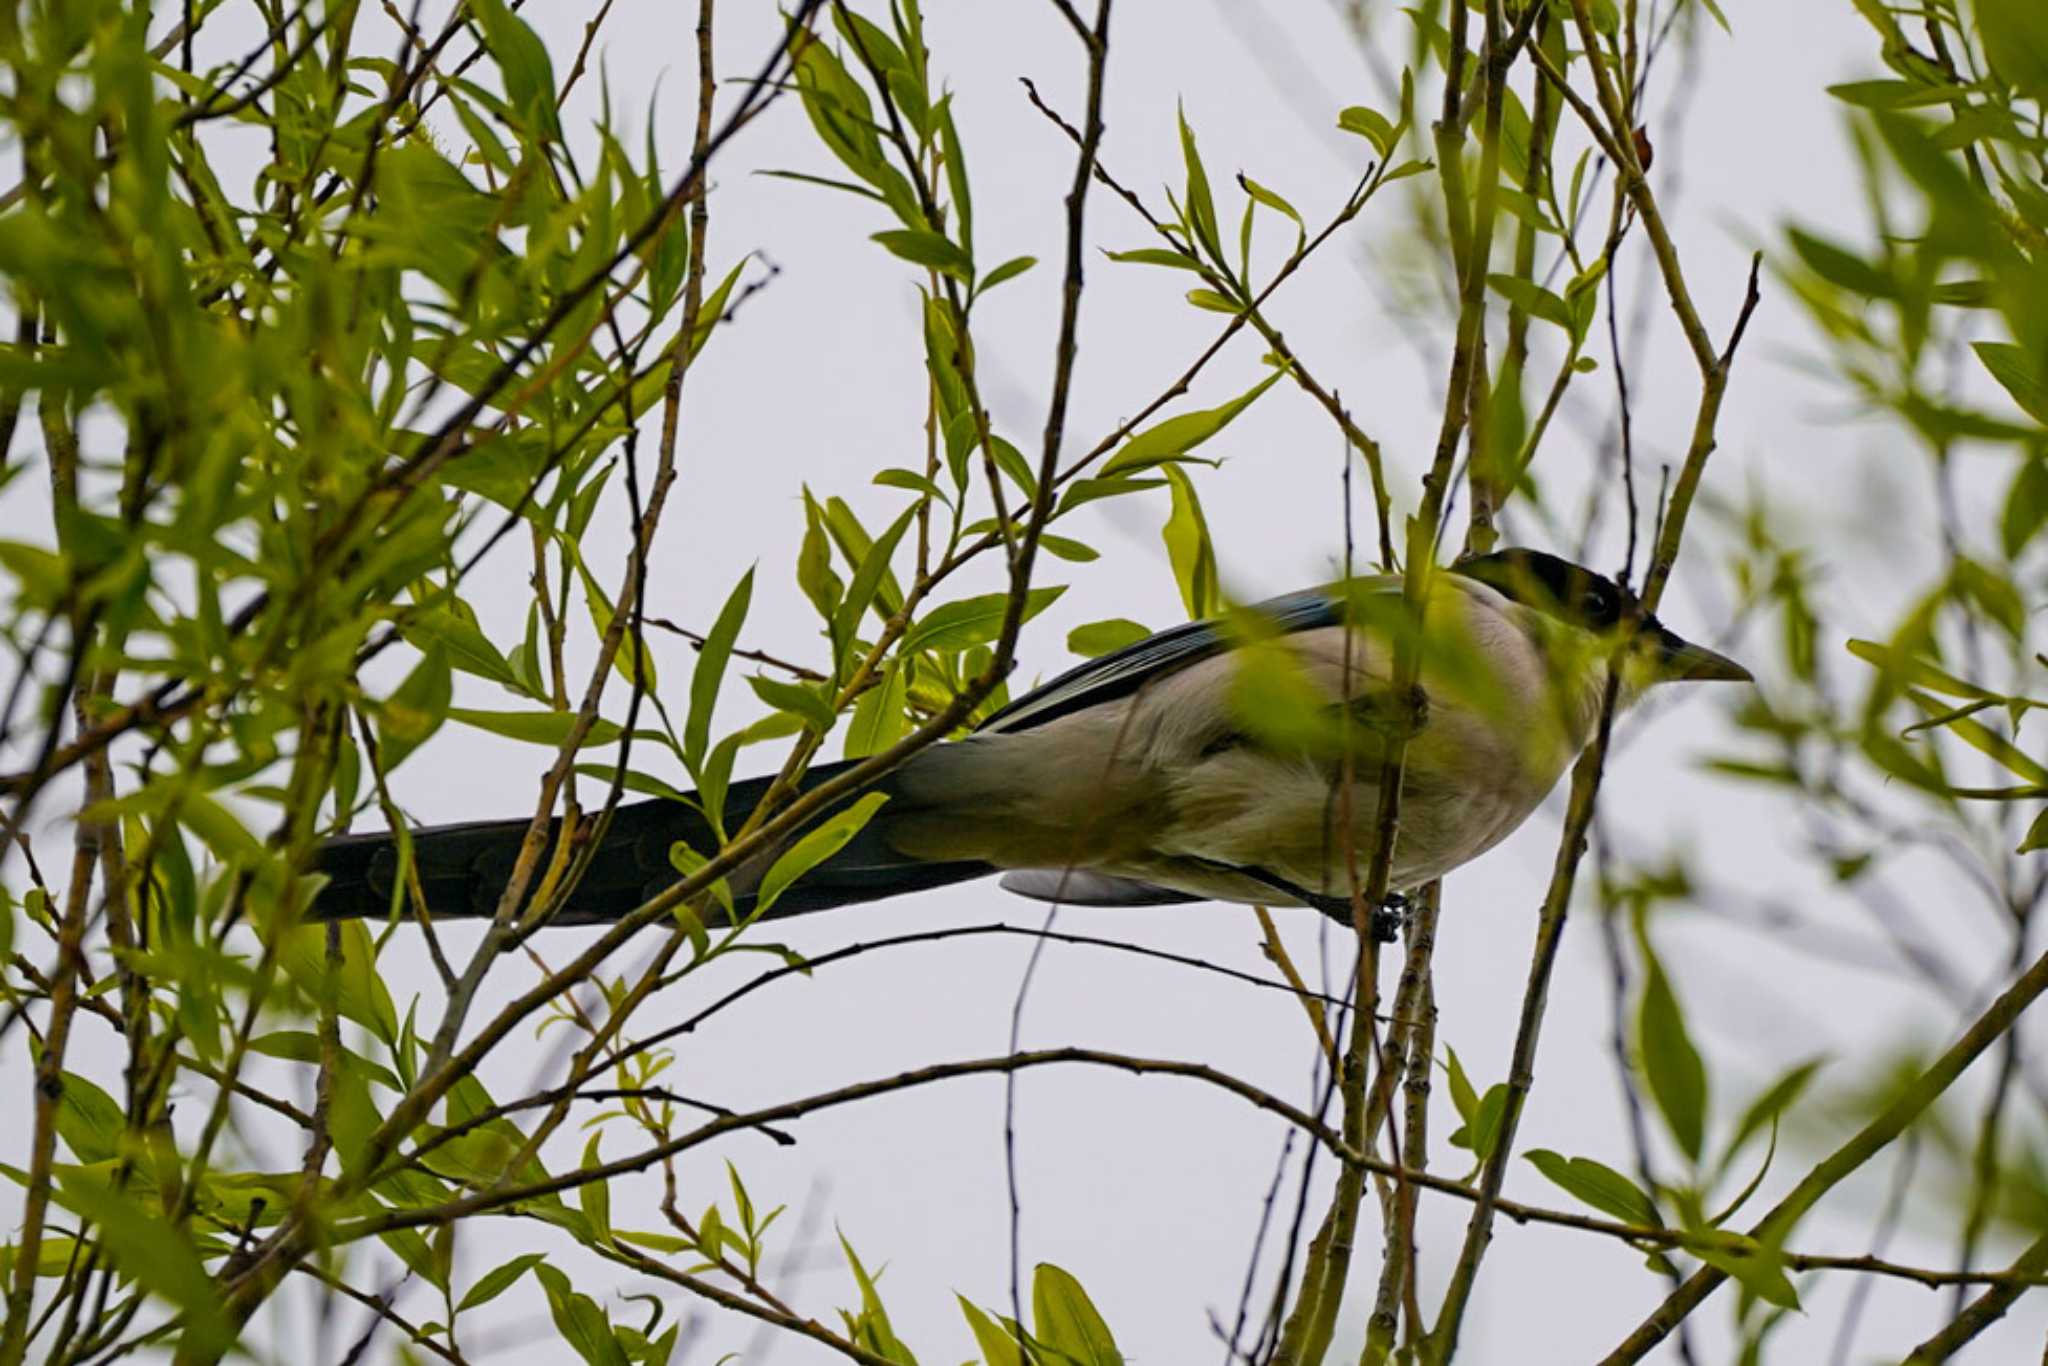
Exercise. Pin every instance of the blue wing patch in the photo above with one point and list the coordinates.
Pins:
(1123, 672)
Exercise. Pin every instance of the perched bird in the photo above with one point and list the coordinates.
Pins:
(1206, 762)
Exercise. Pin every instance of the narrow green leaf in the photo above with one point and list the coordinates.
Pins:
(156, 1254)
(711, 665)
(416, 710)
(928, 249)
(1105, 637)
(972, 621)
(1186, 534)
(878, 721)
(799, 699)
(498, 1280)
(1008, 270)
(1597, 1184)
(1066, 1320)
(536, 727)
(814, 848)
(1671, 1064)
(998, 1348)
(2020, 376)
(1533, 299)
(467, 647)
(1177, 435)
(1371, 125)
(1157, 256)
(1909, 669)
(1201, 205)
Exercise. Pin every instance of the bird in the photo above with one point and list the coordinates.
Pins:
(1207, 762)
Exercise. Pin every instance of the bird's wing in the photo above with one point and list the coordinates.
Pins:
(1124, 671)
(1079, 887)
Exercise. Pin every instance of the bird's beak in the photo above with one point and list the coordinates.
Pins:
(1679, 660)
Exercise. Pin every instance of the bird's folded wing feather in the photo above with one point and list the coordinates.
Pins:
(1124, 671)
(1081, 887)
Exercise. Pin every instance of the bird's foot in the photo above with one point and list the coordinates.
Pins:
(1388, 919)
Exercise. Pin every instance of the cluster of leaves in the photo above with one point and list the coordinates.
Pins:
(489, 330)
(1953, 155)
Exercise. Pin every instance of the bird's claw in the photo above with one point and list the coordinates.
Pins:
(1388, 919)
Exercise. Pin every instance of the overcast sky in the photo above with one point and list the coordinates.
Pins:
(1149, 1190)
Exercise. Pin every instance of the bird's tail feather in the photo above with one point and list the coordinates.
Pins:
(463, 869)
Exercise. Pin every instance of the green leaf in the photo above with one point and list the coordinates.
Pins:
(830, 836)
(1271, 200)
(1534, 300)
(1008, 270)
(1065, 1320)
(522, 60)
(972, 621)
(2037, 835)
(1083, 491)
(1982, 738)
(928, 249)
(416, 710)
(873, 584)
(1671, 1065)
(1201, 206)
(916, 483)
(89, 1120)
(1463, 1095)
(814, 563)
(156, 1254)
(467, 648)
(1895, 94)
(2016, 371)
(550, 728)
(580, 1321)
(1072, 551)
(1157, 256)
(874, 1330)
(878, 721)
(632, 661)
(1903, 668)
(1188, 548)
(1842, 267)
(1760, 1272)
(498, 1280)
(2026, 508)
(998, 1348)
(595, 1197)
(711, 666)
(957, 187)
(1178, 435)
(1485, 1127)
(1596, 1184)
(1371, 125)
(1772, 1102)
(801, 700)
(1105, 637)
(41, 574)
(359, 993)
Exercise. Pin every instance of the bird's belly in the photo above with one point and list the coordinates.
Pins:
(1290, 818)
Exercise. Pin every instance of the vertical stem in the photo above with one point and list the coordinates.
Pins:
(1412, 1033)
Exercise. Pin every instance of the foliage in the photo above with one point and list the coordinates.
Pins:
(288, 410)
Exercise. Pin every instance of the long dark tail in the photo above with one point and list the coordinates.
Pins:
(463, 868)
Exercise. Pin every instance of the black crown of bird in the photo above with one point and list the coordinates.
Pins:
(1166, 772)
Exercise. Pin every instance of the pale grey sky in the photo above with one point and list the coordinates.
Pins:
(1149, 1190)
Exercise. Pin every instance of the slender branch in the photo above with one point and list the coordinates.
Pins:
(1865, 1144)
(1985, 1310)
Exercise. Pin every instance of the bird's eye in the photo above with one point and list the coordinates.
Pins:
(1598, 604)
